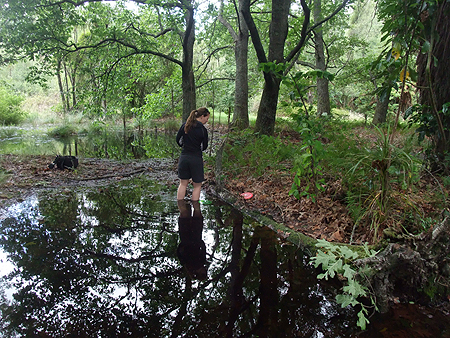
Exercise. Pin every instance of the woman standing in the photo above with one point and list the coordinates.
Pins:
(193, 138)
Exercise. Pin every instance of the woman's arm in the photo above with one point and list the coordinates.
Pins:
(180, 135)
(205, 138)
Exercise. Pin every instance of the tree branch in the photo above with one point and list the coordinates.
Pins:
(163, 32)
(306, 64)
(216, 79)
(304, 32)
(260, 53)
(329, 16)
(226, 23)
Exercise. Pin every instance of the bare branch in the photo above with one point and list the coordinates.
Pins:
(205, 63)
(304, 34)
(329, 16)
(226, 23)
(216, 79)
(306, 64)
(163, 32)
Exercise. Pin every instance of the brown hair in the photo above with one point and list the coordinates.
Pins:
(192, 119)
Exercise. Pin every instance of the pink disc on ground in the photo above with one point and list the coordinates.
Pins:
(247, 195)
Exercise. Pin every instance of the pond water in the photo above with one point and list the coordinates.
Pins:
(102, 143)
(127, 260)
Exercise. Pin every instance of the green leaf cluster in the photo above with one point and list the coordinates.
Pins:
(11, 112)
(338, 260)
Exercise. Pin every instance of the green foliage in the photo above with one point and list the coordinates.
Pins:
(339, 260)
(63, 131)
(426, 123)
(308, 180)
(160, 147)
(159, 102)
(255, 155)
(299, 86)
(267, 67)
(373, 171)
(11, 112)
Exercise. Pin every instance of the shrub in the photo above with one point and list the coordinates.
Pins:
(63, 131)
(10, 107)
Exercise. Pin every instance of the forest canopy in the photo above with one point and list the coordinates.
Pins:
(148, 59)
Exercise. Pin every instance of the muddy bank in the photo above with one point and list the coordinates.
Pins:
(25, 175)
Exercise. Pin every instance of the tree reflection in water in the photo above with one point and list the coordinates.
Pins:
(104, 263)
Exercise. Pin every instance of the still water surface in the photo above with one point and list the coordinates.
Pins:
(129, 261)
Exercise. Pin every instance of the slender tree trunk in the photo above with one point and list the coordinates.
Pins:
(382, 107)
(323, 94)
(240, 116)
(61, 87)
(73, 84)
(188, 80)
(66, 79)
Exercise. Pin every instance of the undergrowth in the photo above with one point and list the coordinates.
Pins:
(250, 154)
(378, 174)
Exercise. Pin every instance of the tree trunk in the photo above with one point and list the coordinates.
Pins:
(61, 87)
(323, 95)
(240, 116)
(433, 79)
(382, 107)
(265, 121)
(188, 80)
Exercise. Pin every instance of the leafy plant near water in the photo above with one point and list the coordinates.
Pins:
(339, 260)
(162, 146)
(63, 131)
(307, 164)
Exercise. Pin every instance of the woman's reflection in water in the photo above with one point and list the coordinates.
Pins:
(192, 250)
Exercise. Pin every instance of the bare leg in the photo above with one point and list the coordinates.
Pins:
(196, 191)
(182, 189)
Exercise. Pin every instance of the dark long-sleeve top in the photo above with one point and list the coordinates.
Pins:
(192, 249)
(194, 142)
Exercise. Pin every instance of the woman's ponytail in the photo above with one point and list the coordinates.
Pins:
(192, 119)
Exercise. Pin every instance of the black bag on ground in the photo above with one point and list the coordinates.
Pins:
(64, 162)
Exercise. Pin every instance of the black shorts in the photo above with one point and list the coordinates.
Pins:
(190, 166)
